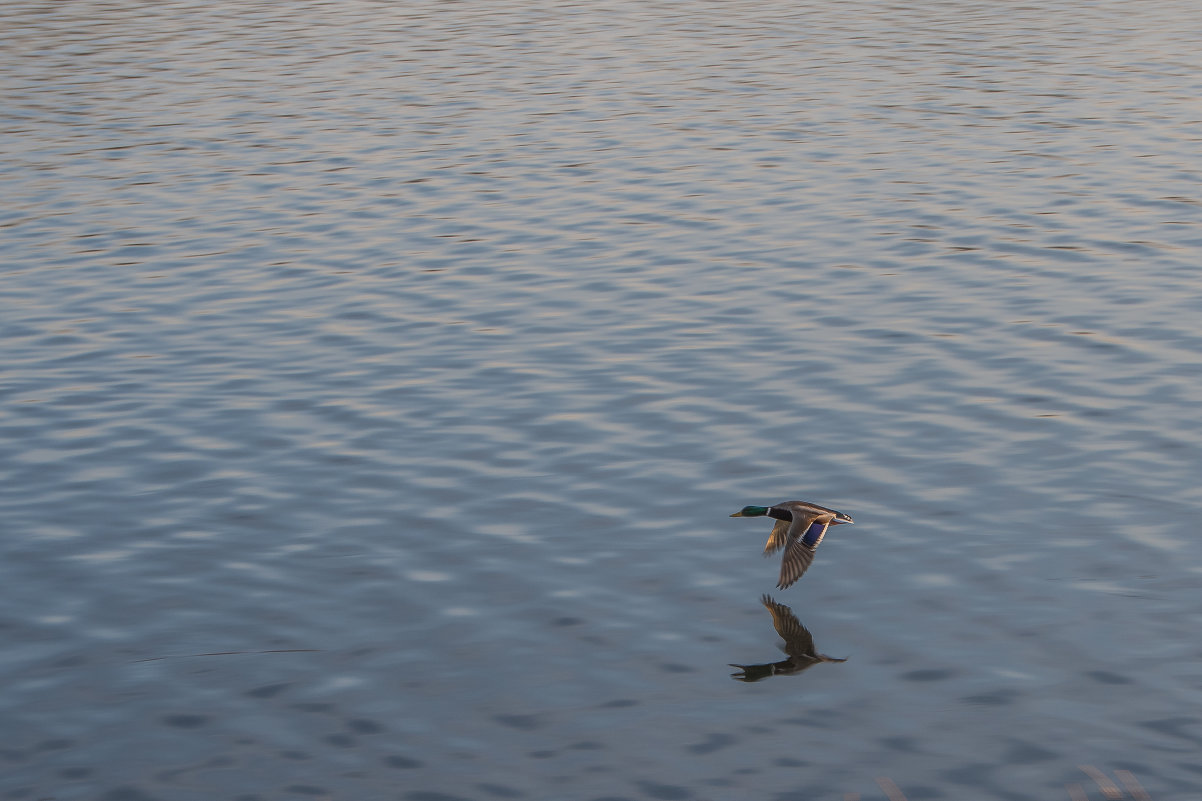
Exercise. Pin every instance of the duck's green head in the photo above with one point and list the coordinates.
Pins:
(751, 511)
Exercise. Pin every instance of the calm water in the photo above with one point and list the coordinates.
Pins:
(377, 379)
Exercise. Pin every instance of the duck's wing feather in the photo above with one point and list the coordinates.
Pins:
(804, 537)
(776, 540)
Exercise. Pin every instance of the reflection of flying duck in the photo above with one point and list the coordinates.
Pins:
(800, 527)
(799, 646)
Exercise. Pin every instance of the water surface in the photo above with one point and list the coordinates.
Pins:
(377, 380)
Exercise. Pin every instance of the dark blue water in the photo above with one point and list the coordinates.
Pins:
(377, 380)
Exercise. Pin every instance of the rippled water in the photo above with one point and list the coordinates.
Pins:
(377, 380)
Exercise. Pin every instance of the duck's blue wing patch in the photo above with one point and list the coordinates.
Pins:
(814, 534)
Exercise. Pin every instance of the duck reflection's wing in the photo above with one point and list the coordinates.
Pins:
(798, 640)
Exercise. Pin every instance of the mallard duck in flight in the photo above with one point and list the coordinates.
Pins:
(799, 647)
(799, 529)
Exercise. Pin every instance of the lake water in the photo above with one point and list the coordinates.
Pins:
(377, 380)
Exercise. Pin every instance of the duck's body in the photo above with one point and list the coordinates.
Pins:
(799, 647)
(800, 527)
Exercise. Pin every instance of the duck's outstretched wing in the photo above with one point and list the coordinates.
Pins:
(776, 540)
(804, 536)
